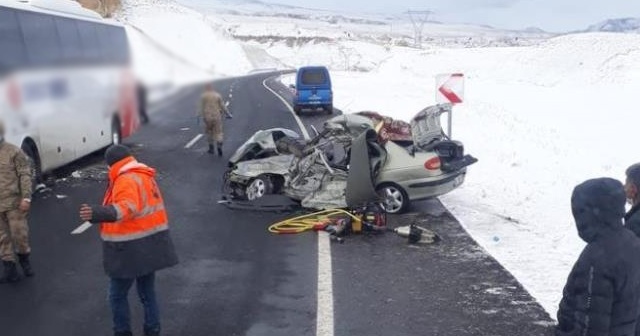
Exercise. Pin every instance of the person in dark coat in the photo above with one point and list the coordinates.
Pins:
(632, 189)
(141, 92)
(603, 289)
(134, 228)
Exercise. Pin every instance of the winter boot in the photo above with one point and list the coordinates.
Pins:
(10, 272)
(220, 149)
(210, 151)
(25, 264)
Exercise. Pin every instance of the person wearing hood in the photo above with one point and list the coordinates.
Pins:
(16, 187)
(135, 233)
(602, 292)
(632, 189)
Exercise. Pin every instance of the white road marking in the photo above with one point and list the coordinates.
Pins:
(193, 142)
(324, 319)
(82, 228)
(303, 129)
(325, 316)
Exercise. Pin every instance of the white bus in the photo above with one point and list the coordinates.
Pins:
(66, 86)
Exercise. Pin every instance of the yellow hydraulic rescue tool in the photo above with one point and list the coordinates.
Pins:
(316, 221)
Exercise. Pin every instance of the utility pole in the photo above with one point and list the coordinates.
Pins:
(418, 19)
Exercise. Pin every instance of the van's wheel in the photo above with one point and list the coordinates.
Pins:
(116, 132)
(394, 199)
(34, 160)
(258, 187)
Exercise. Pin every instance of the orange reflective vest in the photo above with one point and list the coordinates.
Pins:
(139, 205)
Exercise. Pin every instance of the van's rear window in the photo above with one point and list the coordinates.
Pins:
(313, 77)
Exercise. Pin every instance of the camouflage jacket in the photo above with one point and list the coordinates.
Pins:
(15, 176)
(212, 107)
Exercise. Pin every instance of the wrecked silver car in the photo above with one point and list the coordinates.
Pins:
(355, 159)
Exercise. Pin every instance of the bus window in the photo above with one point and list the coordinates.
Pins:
(109, 48)
(69, 40)
(13, 53)
(40, 37)
(90, 42)
(121, 46)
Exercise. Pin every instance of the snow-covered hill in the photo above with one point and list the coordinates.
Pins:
(625, 25)
(255, 20)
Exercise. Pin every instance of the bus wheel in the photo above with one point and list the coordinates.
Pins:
(34, 160)
(116, 133)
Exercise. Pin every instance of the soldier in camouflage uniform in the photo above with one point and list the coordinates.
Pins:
(15, 202)
(211, 109)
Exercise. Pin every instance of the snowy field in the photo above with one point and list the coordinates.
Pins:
(541, 118)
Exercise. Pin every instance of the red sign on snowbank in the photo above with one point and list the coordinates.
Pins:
(450, 88)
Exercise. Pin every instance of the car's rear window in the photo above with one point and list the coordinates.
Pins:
(314, 77)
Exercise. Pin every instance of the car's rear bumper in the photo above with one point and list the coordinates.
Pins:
(313, 103)
(433, 186)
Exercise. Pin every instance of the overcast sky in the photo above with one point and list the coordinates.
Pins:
(551, 15)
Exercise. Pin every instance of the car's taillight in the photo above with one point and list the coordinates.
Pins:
(433, 164)
(13, 95)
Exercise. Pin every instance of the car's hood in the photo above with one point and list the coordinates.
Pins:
(263, 138)
(278, 164)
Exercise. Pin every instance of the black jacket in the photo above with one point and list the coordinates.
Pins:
(632, 220)
(602, 293)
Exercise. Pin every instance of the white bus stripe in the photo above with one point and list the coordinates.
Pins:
(193, 142)
(324, 310)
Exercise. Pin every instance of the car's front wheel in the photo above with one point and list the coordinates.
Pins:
(258, 187)
(394, 198)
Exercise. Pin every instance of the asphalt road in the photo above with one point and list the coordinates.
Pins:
(234, 278)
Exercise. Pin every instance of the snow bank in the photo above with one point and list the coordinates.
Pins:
(173, 46)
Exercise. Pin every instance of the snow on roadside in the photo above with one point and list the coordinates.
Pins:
(540, 119)
(173, 46)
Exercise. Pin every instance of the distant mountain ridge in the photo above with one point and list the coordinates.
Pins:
(622, 25)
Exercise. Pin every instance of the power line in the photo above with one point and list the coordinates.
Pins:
(418, 19)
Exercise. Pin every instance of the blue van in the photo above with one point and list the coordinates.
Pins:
(313, 89)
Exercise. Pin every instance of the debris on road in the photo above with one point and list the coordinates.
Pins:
(417, 234)
(61, 196)
(76, 174)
